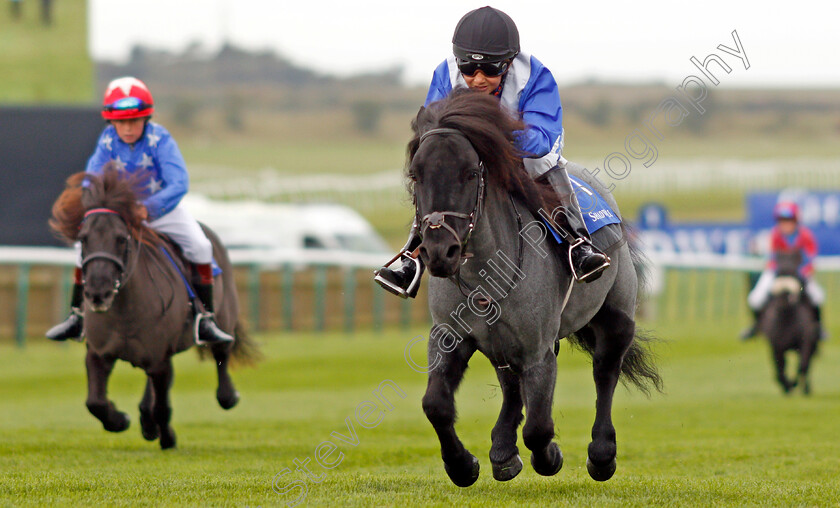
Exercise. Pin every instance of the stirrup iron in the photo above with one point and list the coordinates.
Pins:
(583, 278)
(393, 288)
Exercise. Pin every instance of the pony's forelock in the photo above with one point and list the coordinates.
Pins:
(493, 134)
(111, 189)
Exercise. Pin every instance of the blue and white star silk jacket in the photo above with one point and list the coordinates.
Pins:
(155, 152)
(529, 92)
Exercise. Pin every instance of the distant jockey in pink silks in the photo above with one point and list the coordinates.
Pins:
(787, 236)
(134, 143)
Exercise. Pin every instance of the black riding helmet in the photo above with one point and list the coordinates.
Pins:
(485, 35)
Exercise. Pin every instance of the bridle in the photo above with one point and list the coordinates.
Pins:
(121, 263)
(437, 219)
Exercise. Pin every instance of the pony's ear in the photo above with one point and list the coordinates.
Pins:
(426, 119)
(417, 123)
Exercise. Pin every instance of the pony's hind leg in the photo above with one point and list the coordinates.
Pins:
(98, 371)
(538, 390)
(161, 410)
(504, 455)
(613, 332)
(809, 347)
(226, 393)
(148, 426)
(439, 407)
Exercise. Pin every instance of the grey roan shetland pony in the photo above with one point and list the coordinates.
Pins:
(137, 307)
(498, 286)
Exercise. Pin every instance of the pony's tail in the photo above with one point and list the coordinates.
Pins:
(639, 364)
(638, 368)
(245, 350)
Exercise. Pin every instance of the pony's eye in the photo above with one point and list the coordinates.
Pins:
(412, 176)
(473, 175)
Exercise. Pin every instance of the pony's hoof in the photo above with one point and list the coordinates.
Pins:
(148, 427)
(554, 463)
(460, 479)
(121, 423)
(167, 440)
(508, 470)
(600, 473)
(229, 400)
(150, 431)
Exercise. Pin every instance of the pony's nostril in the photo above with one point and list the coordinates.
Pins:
(452, 251)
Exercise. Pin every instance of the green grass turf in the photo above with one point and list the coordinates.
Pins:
(45, 63)
(721, 435)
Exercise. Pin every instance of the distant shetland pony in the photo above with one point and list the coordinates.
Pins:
(789, 323)
(137, 306)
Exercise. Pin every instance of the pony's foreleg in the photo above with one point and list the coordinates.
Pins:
(161, 410)
(780, 363)
(613, 331)
(148, 426)
(439, 406)
(538, 390)
(226, 393)
(98, 371)
(504, 455)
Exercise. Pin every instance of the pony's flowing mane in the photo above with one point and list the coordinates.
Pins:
(492, 133)
(112, 189)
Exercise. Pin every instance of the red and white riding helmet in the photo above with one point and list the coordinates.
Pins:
(786, 210)
(127, 98)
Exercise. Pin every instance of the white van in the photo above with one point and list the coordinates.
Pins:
(254, 225)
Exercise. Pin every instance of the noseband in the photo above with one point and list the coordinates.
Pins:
(107, 255)
(437, 219)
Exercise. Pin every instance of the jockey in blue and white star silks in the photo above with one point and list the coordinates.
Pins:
(487, 59)
(528, 89)
(133, 143)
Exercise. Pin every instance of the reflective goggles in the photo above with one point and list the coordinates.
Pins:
(127, 103)
(490, 69)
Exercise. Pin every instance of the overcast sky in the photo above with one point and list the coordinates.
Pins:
(786, 43)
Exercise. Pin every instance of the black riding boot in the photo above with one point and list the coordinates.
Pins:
(73, 326)
(752, 330)
(403, 281)
(207, 331)
(587, 262)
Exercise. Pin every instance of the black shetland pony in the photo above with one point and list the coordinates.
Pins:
(789, 323)
(501, 287)
(137, 308)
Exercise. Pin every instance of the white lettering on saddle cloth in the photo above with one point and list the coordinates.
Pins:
(600, 214)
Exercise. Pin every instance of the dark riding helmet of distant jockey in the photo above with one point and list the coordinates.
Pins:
(485, 39)
(786, 210)
(127, 98)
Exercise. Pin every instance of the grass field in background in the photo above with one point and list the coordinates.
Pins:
(722, 434)
(45, 64)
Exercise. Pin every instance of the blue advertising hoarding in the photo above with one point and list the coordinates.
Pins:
(819, 211)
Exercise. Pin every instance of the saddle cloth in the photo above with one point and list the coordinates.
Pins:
(603, 224)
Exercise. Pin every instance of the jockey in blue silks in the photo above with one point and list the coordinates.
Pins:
(133, 143)
(487, 58)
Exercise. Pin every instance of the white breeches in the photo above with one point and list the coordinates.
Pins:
(761, 292)
(183, 229)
